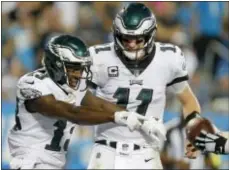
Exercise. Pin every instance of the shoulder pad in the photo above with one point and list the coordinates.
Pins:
(168, 47)
(31, 86)
(33, 77)
(100, 48)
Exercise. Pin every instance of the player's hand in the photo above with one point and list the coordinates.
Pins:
(191, 151)
(131, 119)
(208, 142)
(155, 130)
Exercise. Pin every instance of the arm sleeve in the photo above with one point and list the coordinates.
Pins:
(95, 78)
(179, 73)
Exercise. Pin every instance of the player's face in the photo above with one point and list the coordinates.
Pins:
(73, 76)
(133, 44)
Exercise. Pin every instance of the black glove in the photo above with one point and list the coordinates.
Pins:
(208, 142)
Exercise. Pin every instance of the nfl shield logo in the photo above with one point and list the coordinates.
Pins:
(125, 147)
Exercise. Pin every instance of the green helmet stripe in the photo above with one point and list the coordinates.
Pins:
(139, 25)
(142, 28)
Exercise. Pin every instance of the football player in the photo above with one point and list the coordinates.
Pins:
(134, 72)
(50, 100)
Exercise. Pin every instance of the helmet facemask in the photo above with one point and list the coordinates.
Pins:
(143, 45)
(75, 72)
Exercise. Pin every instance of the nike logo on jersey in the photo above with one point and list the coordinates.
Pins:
(147, 160)
(139, 82)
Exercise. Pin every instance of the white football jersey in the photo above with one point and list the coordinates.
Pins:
(35, 130)
(141, 91)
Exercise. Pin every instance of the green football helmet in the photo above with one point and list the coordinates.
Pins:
(135, 21)
(67, 52)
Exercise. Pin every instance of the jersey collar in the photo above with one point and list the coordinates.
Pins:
(136, 68)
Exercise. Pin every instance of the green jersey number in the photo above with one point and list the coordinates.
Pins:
(58, 134)
(145, 95)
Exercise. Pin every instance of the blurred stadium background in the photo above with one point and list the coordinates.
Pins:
(200, 28)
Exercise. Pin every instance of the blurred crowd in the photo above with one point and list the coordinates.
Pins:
(201, 29)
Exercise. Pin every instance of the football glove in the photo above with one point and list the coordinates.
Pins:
(155, 130)
(131, 119)
(208, 142)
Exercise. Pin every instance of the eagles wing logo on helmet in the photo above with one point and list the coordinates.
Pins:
(66, 51)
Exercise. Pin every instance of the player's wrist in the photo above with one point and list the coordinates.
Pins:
(120, 117)
(191, 116)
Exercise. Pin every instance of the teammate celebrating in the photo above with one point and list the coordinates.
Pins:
(48, 103)
(134, 71)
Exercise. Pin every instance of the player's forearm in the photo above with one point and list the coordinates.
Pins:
(77, 114)
(189, 102)
(105, 105)
(93, 101)
(89, 116)
(190, 106)
(110, 107)
(85, 115)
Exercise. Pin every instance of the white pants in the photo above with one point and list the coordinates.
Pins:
(37, 159)
(106, 157)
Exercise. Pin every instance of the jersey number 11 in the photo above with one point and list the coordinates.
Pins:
(145, 95)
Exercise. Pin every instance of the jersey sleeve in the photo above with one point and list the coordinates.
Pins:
(30, 87)
(98, 69)
(179, 73)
